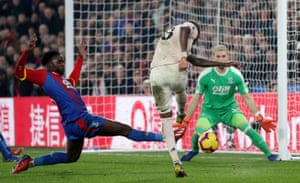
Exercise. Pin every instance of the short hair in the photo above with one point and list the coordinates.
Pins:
(220, 47)
(48, 56)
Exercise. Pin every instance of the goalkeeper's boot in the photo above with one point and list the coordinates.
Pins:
(16, 151)
(179, 118)
(22, 165)
(188, 156)
(274, 157)
(179, 171)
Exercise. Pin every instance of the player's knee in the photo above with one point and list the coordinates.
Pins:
(125, 130)
(73, 157)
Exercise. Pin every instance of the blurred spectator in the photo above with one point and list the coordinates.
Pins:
(60, 23)
(19, 6)
(271, 67)
(34, 22)
(137, 82)
(3, 62)
(248, 64)
(126, 25)
(23, 25)
(86, 85)
(98, 84)
(124, 84)
(50, 20)
(272, 86)
(110, 78)
(10, 78)
(149, 31)
(4, 84)
(7, 37)
(147, 87)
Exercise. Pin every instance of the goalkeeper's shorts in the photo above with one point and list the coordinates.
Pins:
(233, 118)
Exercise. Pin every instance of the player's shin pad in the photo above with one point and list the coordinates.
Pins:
(267, 124)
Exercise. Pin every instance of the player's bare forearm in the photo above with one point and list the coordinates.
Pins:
(193, 104)
(82, 51)
(203, 62)
(184, 33)
(250, 103)
(20, 64)
(32, 43)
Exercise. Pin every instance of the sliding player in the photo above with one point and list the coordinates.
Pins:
(76, 121)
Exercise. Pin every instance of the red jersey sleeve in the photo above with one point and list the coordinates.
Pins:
(23, 73)
(74, 76)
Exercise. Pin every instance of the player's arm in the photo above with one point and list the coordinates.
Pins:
(35, 76)
(20, 69)
(250, 103)
(75, 74)
(267, 124)
(183, 41)
(202, 62)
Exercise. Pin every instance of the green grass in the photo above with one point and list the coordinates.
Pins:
(155, 167)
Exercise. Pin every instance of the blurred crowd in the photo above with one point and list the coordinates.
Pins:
(121, 37)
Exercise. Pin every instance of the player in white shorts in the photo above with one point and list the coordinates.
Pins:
(169, 75)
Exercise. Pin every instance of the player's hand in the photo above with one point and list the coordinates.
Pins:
(183, 64)
(82, 51)
(267, 124)
(32, 43)
(180, 128)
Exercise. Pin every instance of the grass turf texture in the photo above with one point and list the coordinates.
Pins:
(155, 167)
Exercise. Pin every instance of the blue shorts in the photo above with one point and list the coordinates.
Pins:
(84, 127)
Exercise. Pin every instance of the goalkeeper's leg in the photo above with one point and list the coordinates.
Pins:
(256, 138)
(203, 125)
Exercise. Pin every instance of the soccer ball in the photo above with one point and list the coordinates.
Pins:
(208, 142)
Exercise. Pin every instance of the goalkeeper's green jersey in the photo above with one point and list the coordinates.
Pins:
(219, 89)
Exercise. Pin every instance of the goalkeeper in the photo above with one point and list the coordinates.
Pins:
(77, 122)
(168, 75)
(218, 85)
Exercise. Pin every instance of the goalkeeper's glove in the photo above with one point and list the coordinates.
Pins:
(180, 128)
(267, 124)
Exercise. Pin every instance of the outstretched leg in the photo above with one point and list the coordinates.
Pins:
(114, 128)
(5, 151)
(74, 148)
(256, 138)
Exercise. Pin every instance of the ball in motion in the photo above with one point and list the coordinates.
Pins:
(208, 142)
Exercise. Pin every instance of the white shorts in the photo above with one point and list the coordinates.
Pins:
(165, 81)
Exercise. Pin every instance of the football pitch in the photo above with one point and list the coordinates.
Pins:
(155, 167)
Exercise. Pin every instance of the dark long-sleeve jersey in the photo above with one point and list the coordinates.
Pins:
(61, 90)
